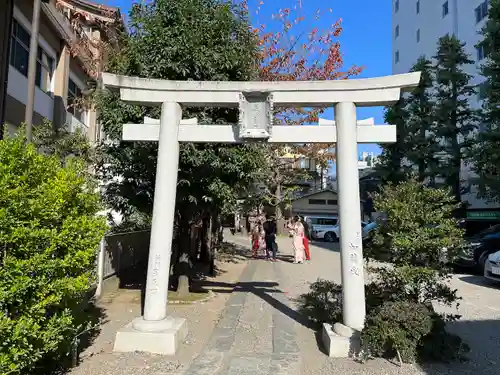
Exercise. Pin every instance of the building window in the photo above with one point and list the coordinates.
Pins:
(396, 57)
(396, 6)
(396, 32)
(481, 11)
(445, 9)
(74, 93)
(44, 70)
(317, 201)
(418, 36)
(19, 57)
(19, 48)
(480, 53)
(332, 202)
(418, 6)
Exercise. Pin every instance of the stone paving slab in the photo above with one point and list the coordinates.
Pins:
(256, 333)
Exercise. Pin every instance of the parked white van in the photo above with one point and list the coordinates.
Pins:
(327, 227)
(322, 227)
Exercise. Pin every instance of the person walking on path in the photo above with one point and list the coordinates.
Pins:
(270, 230)
(306, 238)
(256, 238)
(297, 230)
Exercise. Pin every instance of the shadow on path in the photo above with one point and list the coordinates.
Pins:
(263, 291)
(480, 281)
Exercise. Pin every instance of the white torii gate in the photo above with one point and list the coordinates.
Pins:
(155, 331)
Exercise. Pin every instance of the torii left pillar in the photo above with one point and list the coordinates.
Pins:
(161, 334)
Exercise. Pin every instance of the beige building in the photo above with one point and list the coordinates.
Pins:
(74, 37)
(324, 202)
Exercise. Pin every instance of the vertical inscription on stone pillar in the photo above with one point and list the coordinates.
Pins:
(154, 274)
(355, 259)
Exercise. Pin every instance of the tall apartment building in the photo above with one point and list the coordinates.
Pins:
(416, 27)
(418, 24)
(73, 35)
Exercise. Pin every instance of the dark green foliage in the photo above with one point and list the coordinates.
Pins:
(421, 141)
(391, 166)
(396, 328)
(415, 148)
(485, 155)
(435, 122)
(441, 345)
(323, 302)
(454, 119)
(194, 39)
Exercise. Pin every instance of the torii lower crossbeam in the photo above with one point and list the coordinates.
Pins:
(280, 134)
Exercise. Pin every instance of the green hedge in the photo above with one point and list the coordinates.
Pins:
(49, 236)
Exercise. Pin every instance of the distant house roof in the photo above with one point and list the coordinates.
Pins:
(315, 193)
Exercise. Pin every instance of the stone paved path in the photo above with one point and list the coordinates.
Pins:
(254, 335)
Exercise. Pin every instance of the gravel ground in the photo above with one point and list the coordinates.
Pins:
(260, 333)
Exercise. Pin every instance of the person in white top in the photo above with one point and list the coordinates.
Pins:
(297, 231)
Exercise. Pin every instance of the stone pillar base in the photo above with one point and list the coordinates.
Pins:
(340, 341)
(163, 337)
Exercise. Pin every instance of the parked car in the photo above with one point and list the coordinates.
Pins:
(328, 229)
(322, 226)
(492, 267)
(479, 247)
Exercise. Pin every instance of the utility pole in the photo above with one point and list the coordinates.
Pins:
(6, 15)
(30, 102)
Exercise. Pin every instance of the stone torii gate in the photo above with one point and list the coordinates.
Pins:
(155, 331)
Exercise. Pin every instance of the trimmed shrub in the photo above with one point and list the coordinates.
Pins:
(49, 236)
(396, 329)
(323, 302)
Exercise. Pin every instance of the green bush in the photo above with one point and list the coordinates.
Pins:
(323, 302)
(49, 236)
(420, 229)
(396, 328)
(416, 243)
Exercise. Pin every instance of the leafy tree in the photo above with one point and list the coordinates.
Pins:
(485, 156)
(50, 231)
(199, 40)
(454, 119)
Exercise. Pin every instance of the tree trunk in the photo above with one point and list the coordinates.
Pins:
(213, 243)
(183, 266)
(278, 214)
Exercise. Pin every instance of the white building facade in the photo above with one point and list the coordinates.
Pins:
(417, 26)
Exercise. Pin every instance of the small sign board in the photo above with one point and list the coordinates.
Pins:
(483, 215)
